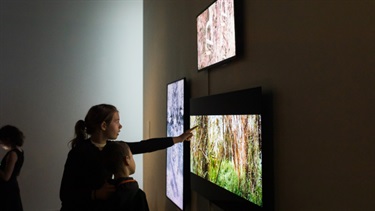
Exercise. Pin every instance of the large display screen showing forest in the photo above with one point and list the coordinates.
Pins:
(227, 151)
(175, 126)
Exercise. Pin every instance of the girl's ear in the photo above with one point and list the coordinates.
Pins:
(103, 126)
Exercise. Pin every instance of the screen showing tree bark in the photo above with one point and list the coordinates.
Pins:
(226, 150)
(216, 38)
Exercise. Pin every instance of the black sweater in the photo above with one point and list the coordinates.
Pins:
(83, 171)
(128, 196)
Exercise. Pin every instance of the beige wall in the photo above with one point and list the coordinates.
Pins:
(315, 58)
(57, 59)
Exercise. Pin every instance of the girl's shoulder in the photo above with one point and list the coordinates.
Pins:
(81, 147)
(82, 144)
(110, 142)
(15, 151)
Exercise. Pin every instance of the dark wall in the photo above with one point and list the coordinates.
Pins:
(316, 61)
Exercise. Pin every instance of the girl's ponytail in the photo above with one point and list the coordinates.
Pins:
(80, 133)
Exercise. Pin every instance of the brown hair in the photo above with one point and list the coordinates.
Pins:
(113, 156)
(94, 118)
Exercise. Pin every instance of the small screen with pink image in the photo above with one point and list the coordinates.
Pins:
(216, 40)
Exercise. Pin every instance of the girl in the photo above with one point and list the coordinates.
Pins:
(11, 139)
(83, 185)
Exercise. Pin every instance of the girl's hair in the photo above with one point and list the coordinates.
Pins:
(93, 120)
(113, 156)
(12, 136)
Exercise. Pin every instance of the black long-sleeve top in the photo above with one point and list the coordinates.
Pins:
(83, 171)
(128, 196)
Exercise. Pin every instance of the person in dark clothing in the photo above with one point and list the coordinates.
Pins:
(83, 185)
(118, 161)
(11, 139)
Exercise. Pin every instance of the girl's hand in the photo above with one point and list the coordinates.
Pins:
(185, 136)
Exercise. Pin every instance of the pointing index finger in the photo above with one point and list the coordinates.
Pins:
(191, 129)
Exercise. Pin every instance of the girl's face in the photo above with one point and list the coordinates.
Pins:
(113, 129)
